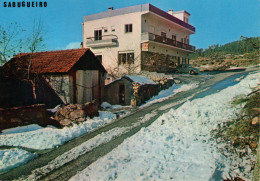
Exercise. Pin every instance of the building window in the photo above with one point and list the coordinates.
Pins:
(128, 28)
(105, 30)
(125, 58)
(163, 34)
(98, 34)
(113, 28)
(99, 57)
(174, 37)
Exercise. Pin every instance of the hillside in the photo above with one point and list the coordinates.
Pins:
(242, 53)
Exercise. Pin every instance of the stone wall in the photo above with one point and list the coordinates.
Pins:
(144, 92)
(156, 62)
(135, 94)
(21, 116)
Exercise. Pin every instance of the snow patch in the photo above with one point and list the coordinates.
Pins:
(165, 94)
(11, 158)
(105, 105)
(49, 137)
(178, 145)
(21, 129)
(140, 79)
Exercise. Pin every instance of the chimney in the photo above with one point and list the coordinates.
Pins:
(110, 8)
(170, 12)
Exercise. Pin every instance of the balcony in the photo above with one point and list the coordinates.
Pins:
(167, 41)
(102, 41)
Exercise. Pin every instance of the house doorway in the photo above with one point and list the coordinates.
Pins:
(122, 94)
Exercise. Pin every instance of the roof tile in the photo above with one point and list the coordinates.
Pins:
(60, 61)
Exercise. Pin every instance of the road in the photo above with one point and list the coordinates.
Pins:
(71, 168)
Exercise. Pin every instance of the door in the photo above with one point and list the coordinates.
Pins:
(122, 94)
(86, 86)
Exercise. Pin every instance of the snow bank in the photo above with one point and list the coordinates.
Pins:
(105, 105)
(85, 147)
(178, 145)
(11, 158)
(165, 94)
(21, 129)
(140, 79)
(50, 137)
(76, 152)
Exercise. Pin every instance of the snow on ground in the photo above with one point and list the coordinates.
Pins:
(140, 79)
(21, 129)
(76, 152)
(50, 137)
(84, 148)
(14, 157)
(178, 145)
(165, 94)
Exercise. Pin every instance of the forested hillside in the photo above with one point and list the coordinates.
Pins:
(244, 45)
(242, 53)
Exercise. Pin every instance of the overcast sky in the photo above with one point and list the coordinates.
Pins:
(216, 21)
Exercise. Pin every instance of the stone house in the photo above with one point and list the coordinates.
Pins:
(64, 76)
(139, 38)
(130, 90)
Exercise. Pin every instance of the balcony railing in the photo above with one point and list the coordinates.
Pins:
(102, 41)
(161, 39)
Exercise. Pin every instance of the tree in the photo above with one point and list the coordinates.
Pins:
(10, 41)
(13, 41)
(35, 42)
(118, 69)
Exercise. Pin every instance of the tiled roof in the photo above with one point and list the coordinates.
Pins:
(60, 61)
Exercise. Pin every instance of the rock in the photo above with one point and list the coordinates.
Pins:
(91, 109)
(79, 106)
(65, 122)
(77, 114)
(255, 121)
(64, 112)
(81, 120)
(58, 117)
(73, 106)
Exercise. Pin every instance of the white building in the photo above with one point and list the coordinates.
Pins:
(141, 37)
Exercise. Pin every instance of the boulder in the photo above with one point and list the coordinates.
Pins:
(64, 112)
(58, 117)
(91, 109)
(77, 114)
(73, 106)
(79, 106)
